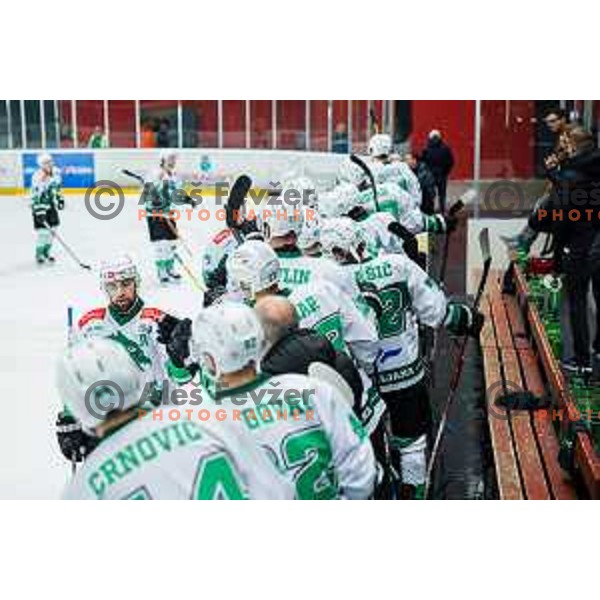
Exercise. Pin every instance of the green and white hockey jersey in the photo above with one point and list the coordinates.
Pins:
(407, 296)
(322, 308)
(374, 230)
(45, 191)
(401, 174)
(402, 207)
(160, 190)
(137, 332)
(307, 430)
(297, 270)
(149, 459)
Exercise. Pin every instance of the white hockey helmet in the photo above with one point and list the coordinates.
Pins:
(227, 338)
(350, 172)
(168, 157)
(340, 237)
(281, 220)
(119, 269)
(380, 145)
(253, 267)
(310, 235)
(95, 377)
(346, 197)
(307, 189)
(44, 160)
(394, 172)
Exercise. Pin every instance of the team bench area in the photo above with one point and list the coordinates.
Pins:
(530, 411)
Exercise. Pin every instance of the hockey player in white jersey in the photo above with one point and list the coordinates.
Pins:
(282, 228)
(46, 201)
(345, 200)
(141, 330)
(405, 296)
(127, 320)
(388, 169)
(133, 456)
(163, 191)
(303, 424)
(320, 306)
(390, 223)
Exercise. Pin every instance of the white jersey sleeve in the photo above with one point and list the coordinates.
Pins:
(353, 453)
(428, 300)
(321, 306)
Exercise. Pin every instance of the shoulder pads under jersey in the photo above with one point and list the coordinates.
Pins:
(95, 314)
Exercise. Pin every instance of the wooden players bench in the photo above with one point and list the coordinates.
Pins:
(524, 443)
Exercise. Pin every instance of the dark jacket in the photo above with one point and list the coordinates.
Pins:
(575, 187)
(427, 183)
(294, 352)
(438, 157)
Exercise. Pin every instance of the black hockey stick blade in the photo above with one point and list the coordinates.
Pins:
(486, 255)
(133, 175)
(456, 207)
(237, 195)
(357, 160)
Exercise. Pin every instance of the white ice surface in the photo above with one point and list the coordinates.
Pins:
(33, 325)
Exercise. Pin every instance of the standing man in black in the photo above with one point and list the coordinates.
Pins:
(439, 158)
(426, 181)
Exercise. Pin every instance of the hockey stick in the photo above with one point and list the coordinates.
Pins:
(195, 281)
(70, 321)
(454, 210)
(357, 160)
(237, 195)
(67, 248)
(484, 245)
(467, 197)
(133, 175)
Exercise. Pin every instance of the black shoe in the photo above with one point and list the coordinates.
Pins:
(39, 260)
(175, 276)
(576, 367)
(164, 279)
(50, 259)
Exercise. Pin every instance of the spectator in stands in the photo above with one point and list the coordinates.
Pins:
(340, 139)
(426, 181)
(148, 136)
(556, 121)
(97, 139)
(439, 158)
(163, 135)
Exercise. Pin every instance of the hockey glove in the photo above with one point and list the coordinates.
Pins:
(409, 241)
(463, 320)
(165, 328)
(60, 203)
(74, 443)
(39, 220)
(178, 347)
